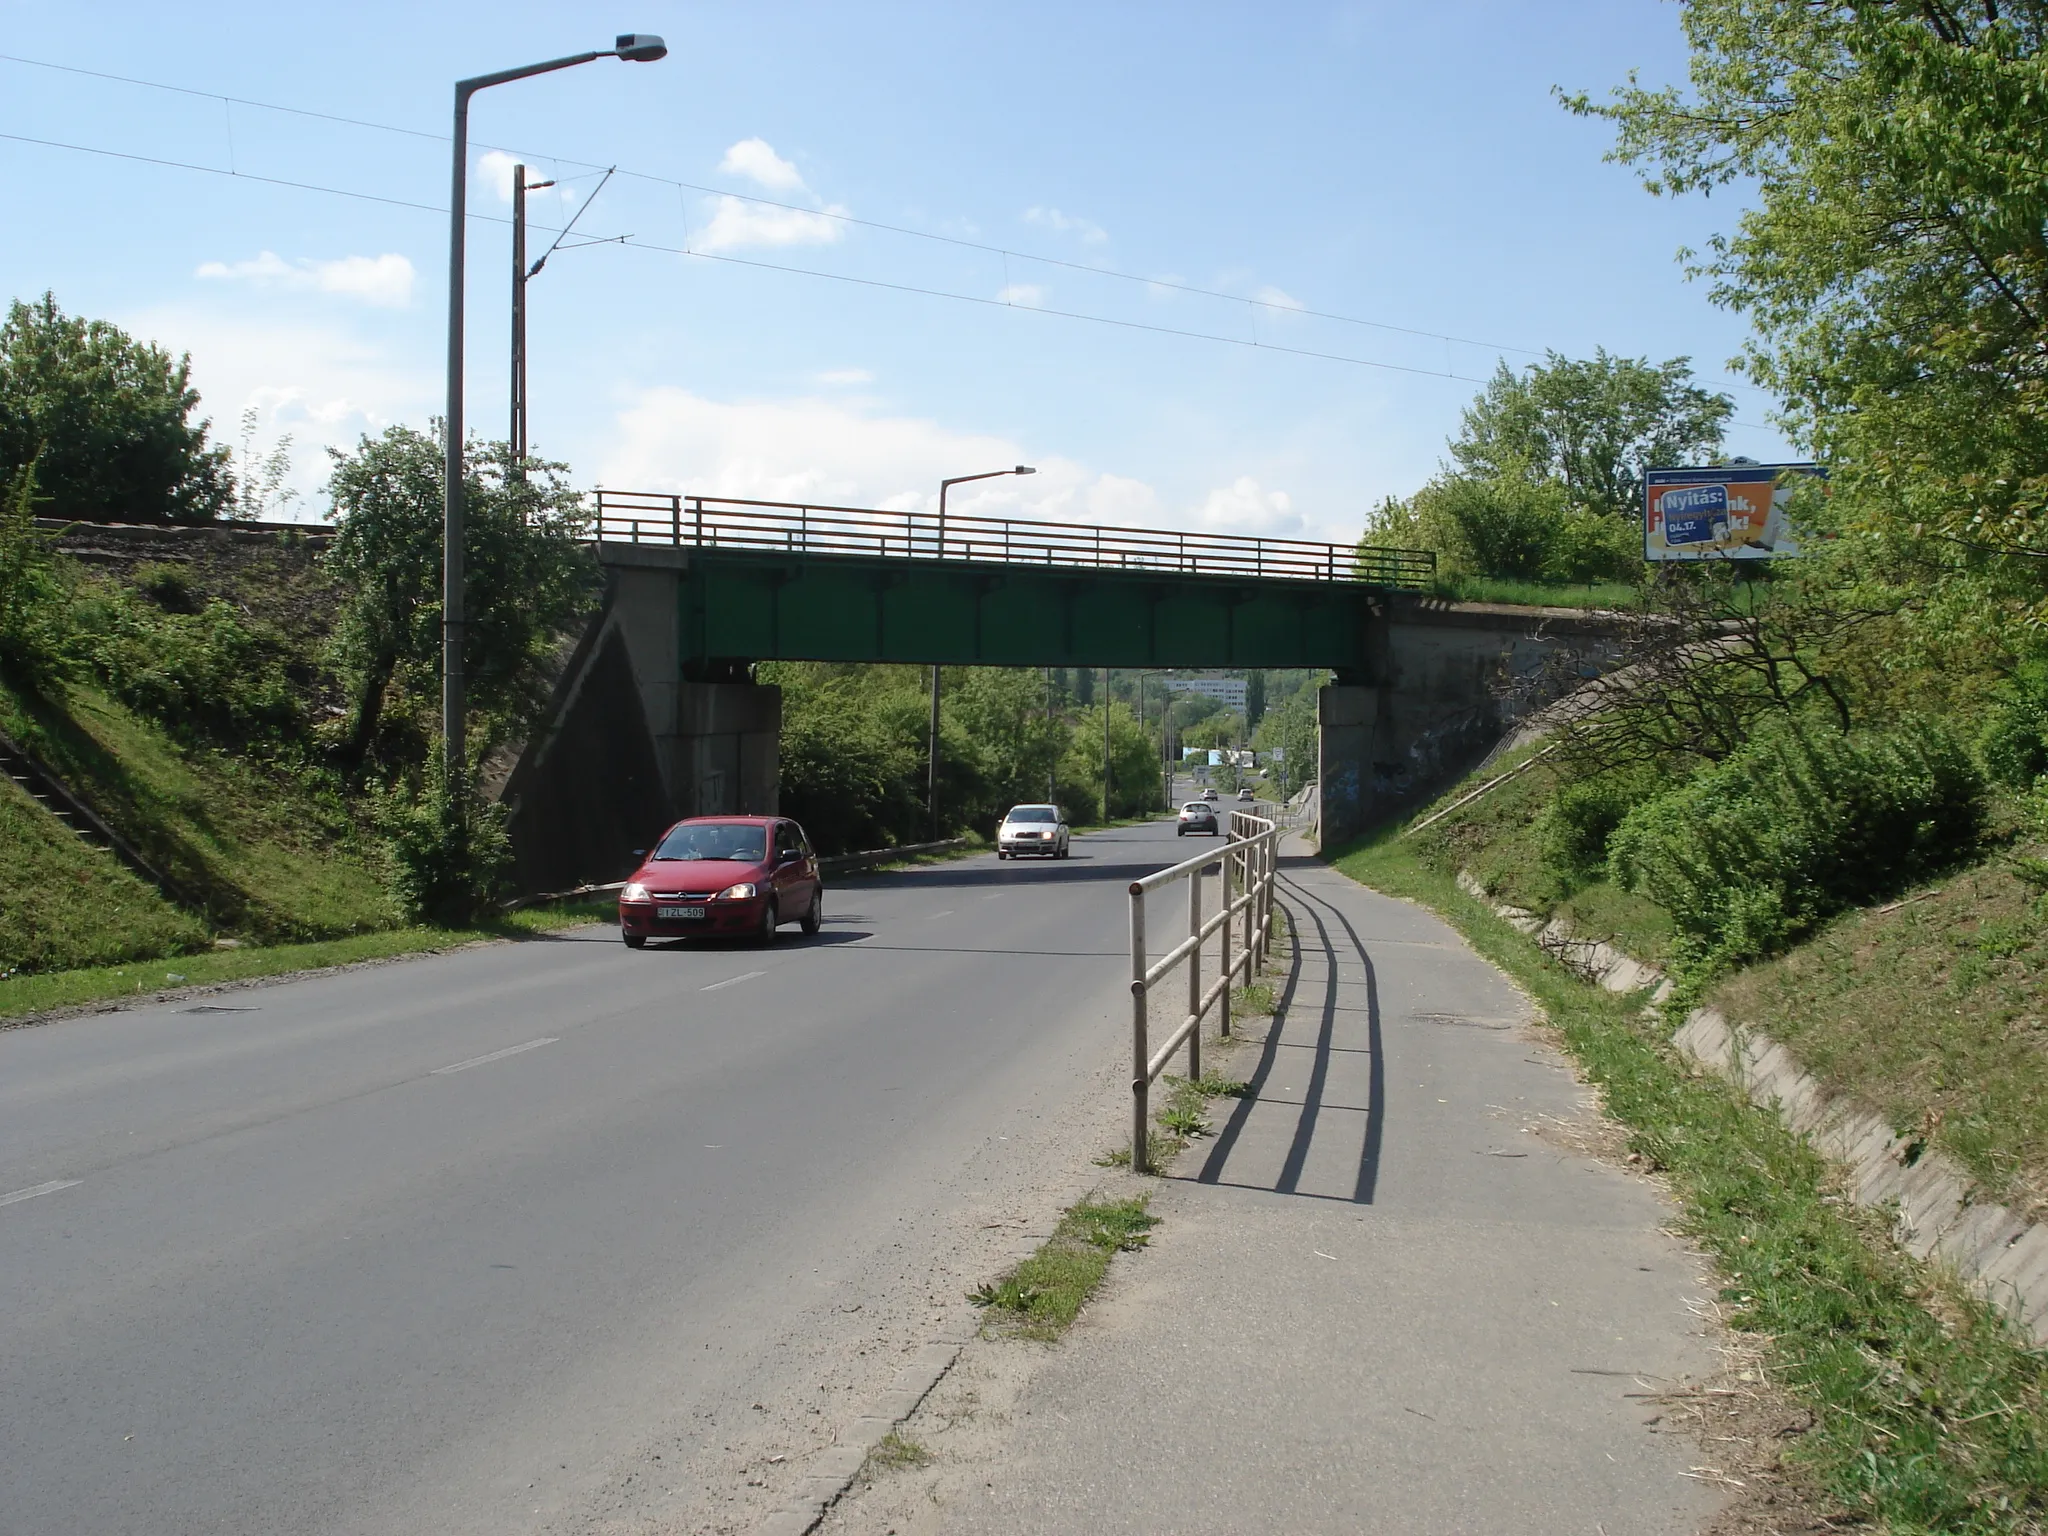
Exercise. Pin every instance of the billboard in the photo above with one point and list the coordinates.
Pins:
(1725, 512)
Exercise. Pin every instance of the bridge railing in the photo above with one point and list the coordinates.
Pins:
(1244, 914)
(719, 522)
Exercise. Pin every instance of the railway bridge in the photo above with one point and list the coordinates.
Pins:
(656, 714)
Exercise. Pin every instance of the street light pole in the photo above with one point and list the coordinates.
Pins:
(637, 47)
(931, 761)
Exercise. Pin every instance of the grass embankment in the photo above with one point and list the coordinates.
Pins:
(1927, 1008)
(1929, 1415)
(1041, 1297)
(1500, 839)
(25, 996)
(1930, 1010)
(63, 903)
(265, 857)
(1539, 594)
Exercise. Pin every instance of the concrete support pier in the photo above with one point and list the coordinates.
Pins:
(630, 742)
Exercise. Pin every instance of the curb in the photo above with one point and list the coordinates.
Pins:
(832, 1470)
(1936, 1213)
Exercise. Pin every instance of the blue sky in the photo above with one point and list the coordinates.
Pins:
(1404, 165)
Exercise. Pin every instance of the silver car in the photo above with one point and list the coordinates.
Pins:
(1197, 816)
(1040, 830)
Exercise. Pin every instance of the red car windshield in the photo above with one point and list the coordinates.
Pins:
(745, 845)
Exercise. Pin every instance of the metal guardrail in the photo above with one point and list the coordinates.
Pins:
(1251, 864)
(716, 522)
(855, 863)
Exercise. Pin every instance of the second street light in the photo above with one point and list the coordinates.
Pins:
(931, 792)
(634, 47)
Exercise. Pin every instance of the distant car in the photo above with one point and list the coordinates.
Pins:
(1245, 794)
(1197, 816)
(1208, 794)
(1039, 830)
(731, 876)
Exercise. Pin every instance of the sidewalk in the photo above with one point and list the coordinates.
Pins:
(1389, 1295)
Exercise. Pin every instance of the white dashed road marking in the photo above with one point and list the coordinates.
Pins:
(732, 981)
(38, 1189)
(477, 1061)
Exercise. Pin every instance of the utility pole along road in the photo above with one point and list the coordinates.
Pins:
(537, 1236)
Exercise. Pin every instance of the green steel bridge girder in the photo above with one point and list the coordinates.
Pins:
(762, 606)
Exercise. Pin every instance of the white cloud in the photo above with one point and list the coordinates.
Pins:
(1276, 298)
(495, 166)
(736, 224)
(323, 385)
(840, 376)
(1090, 232)
(385, 281)
(1030, 295)
(1245, 507)
(831, 452)
(756, 160)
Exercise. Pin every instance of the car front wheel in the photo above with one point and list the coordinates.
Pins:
(635, 940)
(815, 918)
(769, 922)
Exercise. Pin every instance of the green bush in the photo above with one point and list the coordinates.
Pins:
(1573, 829)
(207, 675)
(449, 853)
(35, 598)
(1803, 821)
(2014, 742)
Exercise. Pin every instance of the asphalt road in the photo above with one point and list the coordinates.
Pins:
(529, 1236)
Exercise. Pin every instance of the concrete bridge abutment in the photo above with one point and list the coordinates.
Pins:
(636, 739)
(1448, 682)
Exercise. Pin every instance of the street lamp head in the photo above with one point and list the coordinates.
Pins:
(1023, 469)
(641, 47)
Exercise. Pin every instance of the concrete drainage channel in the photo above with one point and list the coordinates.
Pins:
(1937, 1213)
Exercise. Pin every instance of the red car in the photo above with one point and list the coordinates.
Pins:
(725, 875)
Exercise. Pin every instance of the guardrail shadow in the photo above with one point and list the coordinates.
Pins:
(1244, 1152)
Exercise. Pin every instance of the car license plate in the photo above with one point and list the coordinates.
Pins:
(677, 914)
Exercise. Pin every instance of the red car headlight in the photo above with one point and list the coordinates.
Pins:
(634, 891)
(740, 892)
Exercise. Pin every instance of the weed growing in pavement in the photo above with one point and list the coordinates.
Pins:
(1043, 1295)
(1184, 1121)
(1252, 1001)
(894, 1453)
(1930, 1415)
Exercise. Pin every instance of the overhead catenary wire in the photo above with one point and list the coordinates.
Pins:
(1254, 302)
(632, 243)
(1173, 285)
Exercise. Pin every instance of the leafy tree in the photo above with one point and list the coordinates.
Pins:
(107, 420)
(35, 620)
(1254, 698)
(527, 579)
(1135, 782)
(1894, 263)
(260, 490)
(1590, 425)
(1291, 726)
(1511, 526)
